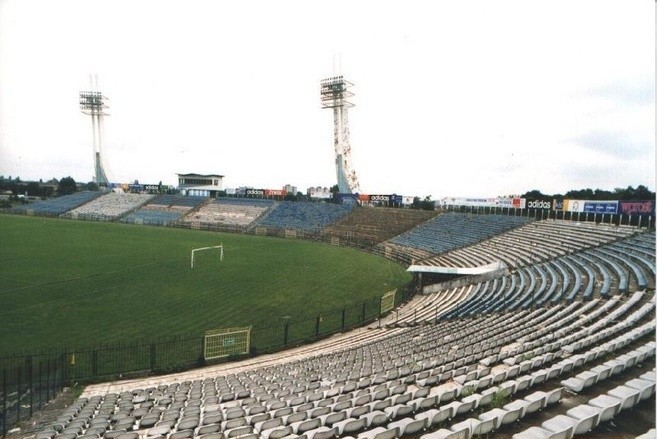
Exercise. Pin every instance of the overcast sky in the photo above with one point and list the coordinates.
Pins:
(453, 97)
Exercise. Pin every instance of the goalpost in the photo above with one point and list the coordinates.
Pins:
(194, 250)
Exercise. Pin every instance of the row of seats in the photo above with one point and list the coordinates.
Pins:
(152, 217)
(308, 217)
(555, 280)
(452, 230)
(230, 211)
(537, 241)
(180, 201)
(110, 206)
(422, 369)
(58, 205)
(372, 225)
(586, 417)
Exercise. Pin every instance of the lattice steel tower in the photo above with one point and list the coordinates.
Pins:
(333, 94)
(93, 103)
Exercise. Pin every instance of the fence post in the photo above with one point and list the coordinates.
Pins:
(153, 353)
(317, 325)
(285, 334)
(4, 402)
(40, 383)
(48, 380)
(30, 382)
(18, 397)
(363, 313)
(94, 364)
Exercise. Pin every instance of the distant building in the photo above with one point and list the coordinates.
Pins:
(200, 185)
(319, 192)
(290, 189)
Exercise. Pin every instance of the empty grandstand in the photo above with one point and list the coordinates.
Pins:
(306, 217)
(109, 207)
(57, 206)
(452, 230)
(560, 343)
(549, 372)
(367, 226)
(229, 213)
(164, 210)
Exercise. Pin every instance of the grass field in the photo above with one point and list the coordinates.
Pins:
(67, 283)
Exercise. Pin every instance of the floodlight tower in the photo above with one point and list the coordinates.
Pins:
(93, 103)
(333, 94)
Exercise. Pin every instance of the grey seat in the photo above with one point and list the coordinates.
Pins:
(539, 433)
(646, 388)
(350, 425)
(378, 433)
(609, 405)
(587, 418)
(560, 425)
(408, 426)
(305, 425)
(628, 395)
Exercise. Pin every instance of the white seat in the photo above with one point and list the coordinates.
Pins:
(517, 404)
(645, 387)
(435, 416)
(609, 405)
(378, 433)
(408, 426)
(443, 434)
(628, 395)
(321, 433)
(306, 425)
(350, 425)
(587, 418)
(537, 433)
(375, 418)
(561, 425)
(466, 428)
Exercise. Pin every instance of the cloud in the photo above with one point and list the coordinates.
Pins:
(636, 92)
(617, 144)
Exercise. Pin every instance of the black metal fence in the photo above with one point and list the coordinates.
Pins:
(29, 381)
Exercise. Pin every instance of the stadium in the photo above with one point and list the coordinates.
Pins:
(132, 313)
(518, 321)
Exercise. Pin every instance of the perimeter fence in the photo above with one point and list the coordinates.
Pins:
(30, 380)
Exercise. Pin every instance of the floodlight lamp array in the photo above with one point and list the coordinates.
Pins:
(333, 92)
(92, 101)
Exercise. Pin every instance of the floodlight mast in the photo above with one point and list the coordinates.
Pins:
(333, 94)
(92, 103)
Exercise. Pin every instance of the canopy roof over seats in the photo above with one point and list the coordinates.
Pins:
(494, 266)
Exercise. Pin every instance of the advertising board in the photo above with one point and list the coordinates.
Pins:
(573, 206)
(255, 192)
(380, 198)
(274, 192)
(636, 207)
(600, 207)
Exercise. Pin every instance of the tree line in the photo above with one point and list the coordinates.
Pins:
(640, 192)
(67, 185)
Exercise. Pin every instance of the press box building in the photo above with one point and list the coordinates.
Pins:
(200, 185)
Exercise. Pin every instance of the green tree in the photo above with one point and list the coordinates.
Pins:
(91, 186)
(67, 186)
(33, 189)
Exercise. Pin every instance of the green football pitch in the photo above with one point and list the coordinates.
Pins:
(67, 283)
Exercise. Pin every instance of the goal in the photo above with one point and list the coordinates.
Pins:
(220, 343)
(387, 302)
(194, 250)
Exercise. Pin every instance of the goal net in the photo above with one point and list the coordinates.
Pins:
(220, 343)
(200, 249)
(387, 302)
